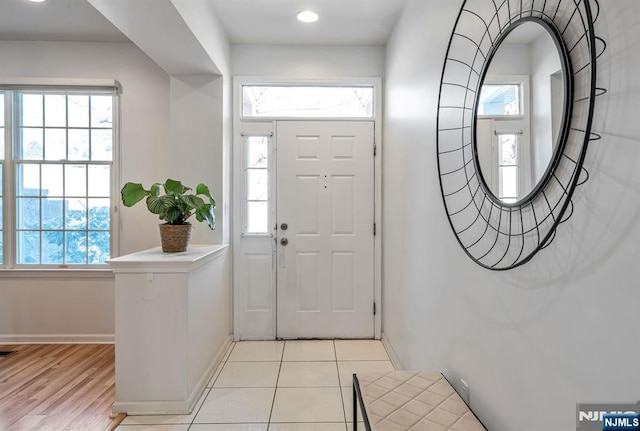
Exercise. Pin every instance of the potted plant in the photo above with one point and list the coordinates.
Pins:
(175, 207)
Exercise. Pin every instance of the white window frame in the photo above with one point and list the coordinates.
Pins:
(308, 85)
(259, 132)
(520, 124)
(522, 81)
(499, 166)
(241, 81)
(9, 267)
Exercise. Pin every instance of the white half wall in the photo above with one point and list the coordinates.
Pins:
(82, 308)
(563, 328)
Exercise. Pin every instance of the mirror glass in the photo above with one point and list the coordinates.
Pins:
(519, 112)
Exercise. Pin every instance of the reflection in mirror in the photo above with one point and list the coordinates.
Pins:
(519, 112)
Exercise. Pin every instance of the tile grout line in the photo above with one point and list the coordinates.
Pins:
(225, 362)
(344, 412)
(275, 390)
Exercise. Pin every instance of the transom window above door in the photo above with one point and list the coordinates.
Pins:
(306, 101)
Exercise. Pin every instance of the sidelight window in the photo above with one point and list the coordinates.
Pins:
(257, 184)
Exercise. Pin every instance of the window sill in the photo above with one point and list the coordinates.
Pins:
(56, 273)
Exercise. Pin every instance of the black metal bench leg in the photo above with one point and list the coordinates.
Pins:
(355, 406)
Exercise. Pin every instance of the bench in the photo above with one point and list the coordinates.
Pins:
(410, 401)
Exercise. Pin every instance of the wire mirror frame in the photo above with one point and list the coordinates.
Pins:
(497, 235)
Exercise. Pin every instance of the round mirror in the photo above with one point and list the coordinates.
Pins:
(520, 111)
(502, 223)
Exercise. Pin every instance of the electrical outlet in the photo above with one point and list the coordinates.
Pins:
(464, 391)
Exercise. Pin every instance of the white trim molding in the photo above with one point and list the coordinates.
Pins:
(393, 357)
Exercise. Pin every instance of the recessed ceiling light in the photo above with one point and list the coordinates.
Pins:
(37, 1)
(307, 16)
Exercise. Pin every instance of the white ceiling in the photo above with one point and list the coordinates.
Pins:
(55, 20)
(525, 34)
(342, 22)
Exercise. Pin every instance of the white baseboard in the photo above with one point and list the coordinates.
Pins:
(57, 339)
(177, 407)
(392, 354)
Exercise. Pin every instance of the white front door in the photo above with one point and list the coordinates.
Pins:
(325, 229)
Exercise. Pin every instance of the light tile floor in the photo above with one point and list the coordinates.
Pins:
(277, 386)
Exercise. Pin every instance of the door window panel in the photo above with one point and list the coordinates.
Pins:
(257, 184)
(508, 170)
(281, 101)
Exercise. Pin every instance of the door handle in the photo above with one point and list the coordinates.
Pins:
(284, 241)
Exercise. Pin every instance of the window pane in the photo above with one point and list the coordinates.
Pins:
(1, 216)
(55, 110)
(28, 180)
(28, 210)
(508, 181)
(257, 149)
(1, 126)
(257, 217)
(52, 180)
(307, 101)
(78, 144)
(99, 215)
(55, 144)
(258, 186)
(78, 110)
(508, 149)
(28, 247)
(1, 201)
(99, 181)
(31, 147)
(101, 143)
(62, 208)
(499, 99)
(52, 247)
(75, 247)
(99, 246)
(75, 214)
(1, 143)
(52, 213)
(32, 110)
(75, 180)
(101, 111)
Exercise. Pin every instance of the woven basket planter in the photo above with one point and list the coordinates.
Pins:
(174, 238)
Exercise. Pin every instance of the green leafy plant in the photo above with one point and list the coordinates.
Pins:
(175, 206)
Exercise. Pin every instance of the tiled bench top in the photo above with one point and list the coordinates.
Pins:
(412, 401)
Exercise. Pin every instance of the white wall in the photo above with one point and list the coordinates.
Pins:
(196, 134)
(511, 59)
(83, 308)
(563, 328)
(544, 62)
(307, 61)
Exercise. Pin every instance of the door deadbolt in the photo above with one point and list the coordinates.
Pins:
(284, 226)
(284, 241)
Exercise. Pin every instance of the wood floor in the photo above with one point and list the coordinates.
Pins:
(57, 387)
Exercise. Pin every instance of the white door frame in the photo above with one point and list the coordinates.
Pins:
(262, 126)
